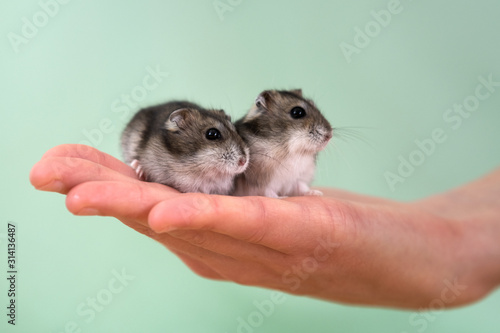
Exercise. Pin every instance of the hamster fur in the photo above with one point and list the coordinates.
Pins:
(284, 132)
(185, 146)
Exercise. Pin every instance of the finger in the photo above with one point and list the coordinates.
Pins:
(215, 266)
(279, 224)
(123, 200)
(230, 247)
(132, 201)
(209, 264)
(60, 174)
(259, 270)
(199, 267)
(188, 253)
(89, 153)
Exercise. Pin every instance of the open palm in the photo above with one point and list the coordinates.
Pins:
(342, 247)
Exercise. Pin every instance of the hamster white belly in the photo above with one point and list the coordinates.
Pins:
(292, 177)
(280, 173)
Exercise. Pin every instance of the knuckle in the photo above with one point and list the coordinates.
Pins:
(201, 205)
(259, 222)
(83, 151)
(202, 211)
(197, 238)
(342, 218)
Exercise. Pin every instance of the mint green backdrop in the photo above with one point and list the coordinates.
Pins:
(392, 74)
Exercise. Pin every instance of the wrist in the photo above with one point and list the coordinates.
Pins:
(484, 245)
(476, 248)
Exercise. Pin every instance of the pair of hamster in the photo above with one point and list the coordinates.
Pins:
(271, 151)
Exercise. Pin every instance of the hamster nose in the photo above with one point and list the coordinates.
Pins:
(242, 161)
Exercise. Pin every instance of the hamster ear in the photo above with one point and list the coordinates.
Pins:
(179, 119)
(297, 92)
(228, 117)
(263, 99)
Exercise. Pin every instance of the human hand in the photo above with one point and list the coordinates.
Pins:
(341, 247)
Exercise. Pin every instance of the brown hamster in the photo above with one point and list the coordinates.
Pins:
(185, 146)
(284, 132)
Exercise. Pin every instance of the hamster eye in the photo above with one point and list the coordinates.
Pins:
(298, 112)
(213, 134)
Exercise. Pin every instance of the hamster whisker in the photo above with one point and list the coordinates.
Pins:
(347, 134)
(337, 152)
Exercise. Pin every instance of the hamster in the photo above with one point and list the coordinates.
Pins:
(284, 132)
(185, 146)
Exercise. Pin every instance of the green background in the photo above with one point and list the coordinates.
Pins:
(71, 74)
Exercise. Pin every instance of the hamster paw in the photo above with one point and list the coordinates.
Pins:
(315, 193)
(271, 194)
(138, 169)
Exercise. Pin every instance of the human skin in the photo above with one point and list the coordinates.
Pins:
(342, 247)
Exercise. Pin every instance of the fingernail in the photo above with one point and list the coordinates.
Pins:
(88, 212)
(164, 230)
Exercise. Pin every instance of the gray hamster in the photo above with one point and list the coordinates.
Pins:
(284, 132)
(185, 146)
